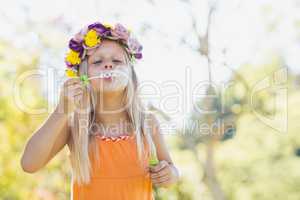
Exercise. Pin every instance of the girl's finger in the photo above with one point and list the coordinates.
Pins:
(70, 91)
(74, 91)
(71, 81)
(162, 164)
(156, 179)
(161, 180)
(74, 86)
(161, 173)
(77, 89)
(78, 93)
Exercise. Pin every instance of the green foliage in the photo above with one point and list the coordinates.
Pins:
(16, 127)
(258, 162)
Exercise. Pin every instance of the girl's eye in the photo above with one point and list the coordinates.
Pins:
(97, 62)
(117, 61)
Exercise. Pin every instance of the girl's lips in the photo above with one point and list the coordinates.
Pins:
(107, 78)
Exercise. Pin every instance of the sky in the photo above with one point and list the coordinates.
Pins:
(248, 29)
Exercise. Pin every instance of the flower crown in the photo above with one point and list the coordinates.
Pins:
(89, 38)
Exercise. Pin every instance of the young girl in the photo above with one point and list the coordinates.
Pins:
(112, 138)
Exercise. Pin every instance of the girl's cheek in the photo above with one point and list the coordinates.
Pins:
(97, 84)
(93, 71)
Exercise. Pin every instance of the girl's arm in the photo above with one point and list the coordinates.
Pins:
(49, 139)
(165, 173)
(52, 136)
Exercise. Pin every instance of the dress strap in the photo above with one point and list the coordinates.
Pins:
(115, 138)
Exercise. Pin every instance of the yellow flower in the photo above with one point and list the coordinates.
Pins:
(73, 57)
(71, 73)
(107, 25)
(91, 39)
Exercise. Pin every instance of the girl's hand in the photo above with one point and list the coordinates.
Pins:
(163, 174)
(71, 95)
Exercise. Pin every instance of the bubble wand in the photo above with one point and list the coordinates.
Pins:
(85, 79)
(153, 160)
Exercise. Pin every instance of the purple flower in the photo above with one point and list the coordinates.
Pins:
(134, 46)
(120, 31)
(138, 55)
(76, 46)
(69, 65)
(100, 28)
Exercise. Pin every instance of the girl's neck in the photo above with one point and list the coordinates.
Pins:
(110, 106)
(110, 101)
(111, 113)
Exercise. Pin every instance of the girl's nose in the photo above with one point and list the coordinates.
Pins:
(108, 66)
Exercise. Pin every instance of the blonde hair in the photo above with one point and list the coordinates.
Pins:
(82, 142)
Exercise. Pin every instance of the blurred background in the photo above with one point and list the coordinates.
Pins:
(223, 77)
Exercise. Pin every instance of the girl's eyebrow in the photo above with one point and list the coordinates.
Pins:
(113, 56)
(97, 57)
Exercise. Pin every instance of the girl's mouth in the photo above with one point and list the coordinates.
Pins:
(108, 76)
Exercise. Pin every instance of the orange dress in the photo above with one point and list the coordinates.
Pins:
(119, 175)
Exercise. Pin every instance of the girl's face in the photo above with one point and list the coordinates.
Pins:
(109, 58)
